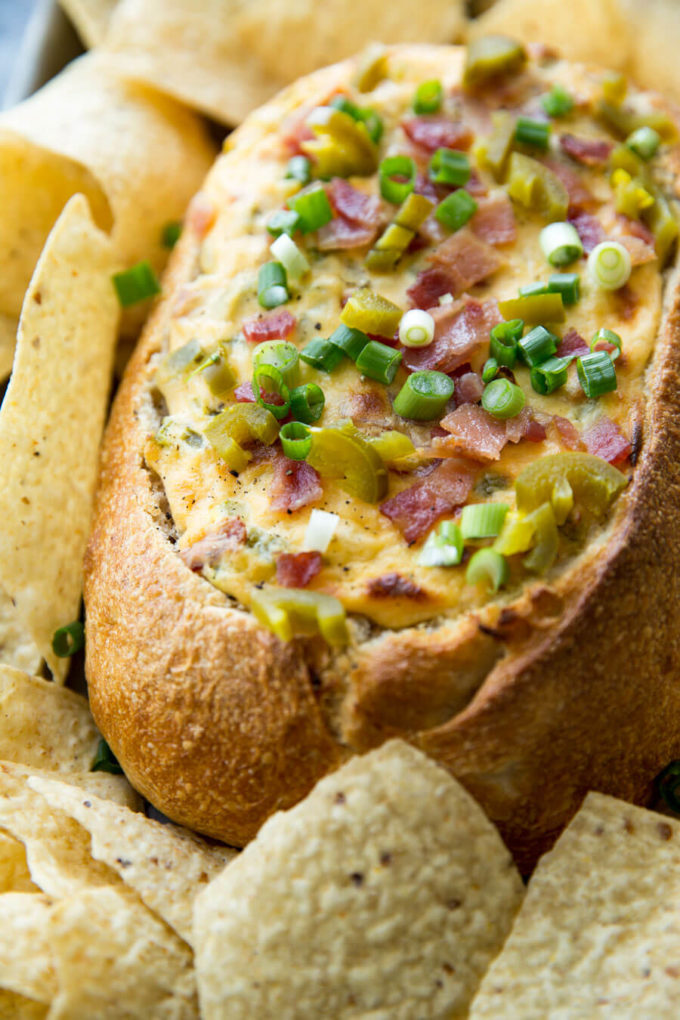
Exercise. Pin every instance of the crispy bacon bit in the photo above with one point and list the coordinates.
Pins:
(590, 151)
(474, 432)
(572, 343)
(432, 133)
(424, 186)
(393, 585)
(494, 220)
(636, 228)
(296, 570)
(567, 433)
(430, 285)
(415, 510)
(524, 426)
(476, 185)
(534, 431)
(640, 252)
(580, 197)
(467, 259)
(469, 389)
(605, 439)
(209, 550)
(276, 325)
(243, 394)
(353, 204)
(588, 229)
(201, 214)
(461, 330)
(339, 235)
(295, 484)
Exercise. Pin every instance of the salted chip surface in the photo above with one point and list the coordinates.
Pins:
(386, 892)
(44, 725)
(90, 17)
(114, 959)
(18, 1007)
(50, 426)
(14, 873)
(25, 947)
(654, 27)
(598, 934)
(167, 865)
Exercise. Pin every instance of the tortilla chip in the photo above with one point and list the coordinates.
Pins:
(17, 1007)
(386, 892)
(599, 932)
(16, 644)
(14, 873)
(8, 335)
(100, 784)
(654, 27)
(167, 865)
(588, 30)
(114, 959)
(50, 426)
(25, 950)
(136, 155)
(90, 18)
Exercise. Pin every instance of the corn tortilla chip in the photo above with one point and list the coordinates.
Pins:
(588, 30)
(16, 644)
(18, 1007)
(654, 27)
(386, 892)
(14, 873)
(165, 864)
(114, 959)
(25, 951)
(8, 335)
(599, 932)
(90, 17)
(50, 426)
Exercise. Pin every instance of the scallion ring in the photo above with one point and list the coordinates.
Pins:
(482, 520)
(424, 395)
(596, 374)
(313, 208)
(136, 284)
(350, 341)
(322, 354)
(456, 209)
(397, 176)
(503, 399)
(560, 244)
(557, 102)
(268, 381)
(296, 440)
(488, 567)
(416, 328)
(299, 169)
(503, 341)
(538, 345)
(550, 374)
(532, 132)
(428, 97)
(272, 285)
(609, 337)
(307, 403)
(644, 142)
(69, 639)
(379, 362)
(490, 370)
(285, 251)
(450, 167)
(609, 265)
(281, 355)
(443, 548)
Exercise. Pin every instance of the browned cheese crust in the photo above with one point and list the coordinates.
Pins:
(219, 724)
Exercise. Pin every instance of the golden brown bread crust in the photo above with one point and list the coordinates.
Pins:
(219, 724)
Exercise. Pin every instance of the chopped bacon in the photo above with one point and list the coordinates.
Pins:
(590, 151)
(476, 185)
(295, 132)
(208, 551)
(469, 389)
(588, 229)
(534, 432)
(353, 204)
(605, 439)
(295, 484)
(432, 133)
(494, 220)
(340, 234)
(430, 285)
(640, 252)
(276, 325)
(524, 426)
(461, 261)
(474, 432)
(461, 330)
(580, 197)
(572, 343)
(415, 510)
(296, 570)
(393, 585)
(636, 228)
(243, 394)
(424, 186)
(201, 214)
(567, 433)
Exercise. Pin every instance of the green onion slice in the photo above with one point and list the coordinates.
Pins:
(428, 97)
(272, 289)
(285, 250)
(528, 289)
(283, 221)
(503, 341)
(322, 355)
(299, 168)
(416, 328)
(69, 639)
(550, 374)
(538, 345)
(424, 395)
(105, 760)
(482, 520)
(269, 381)
(443, 548)
(307, 403)
(532, 132)
(456, 209)
(379, 362)
(557, 102)
(607, 336)
(488, 567)
(596, 373)
(313, 208)
(609, 265)
(644, 142)
(136, 284)
(490, 370)
(560, 244)
(171, 233)
(397, 175)
(568, 285)
(296, 440)
(350, 341)
(281, 355)
(503, 399)
(448, 166)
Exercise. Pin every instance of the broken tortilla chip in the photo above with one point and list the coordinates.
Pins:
(18, 1007)
(25, 950)
(14, 873)
(90, 18)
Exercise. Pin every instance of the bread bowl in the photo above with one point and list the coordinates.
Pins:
(560, 681)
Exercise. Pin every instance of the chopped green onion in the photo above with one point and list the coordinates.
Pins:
(296, 440)
(424, 395)
(272, 289)
(321, 354)
(560, 244)
(489, 567)
(596, 373)
(538, 345)
(307, 403)
(534, 308)
(313, 208)
(533, 288)
(371, 312)
(284, 221)
(281, 355)
(503, 399)
(490, 370)
(105, 760)
(482, 520)
(397, 175)
(299, 168)
(320, 530)
(346, 105)
(557, 102)
(428, 97)
(566, 284)
(269, 380)
(171, 233)
(456, 209)
(532, 132)
(379, 362)
(285, 250)
(609, 265)
(416, 328)
(550, 374)
(607, 336)
(668, 785)
(448, 166)
(136, 284)
(443, 548)
(644, 142)
(69, 639)
(350, 341)
(503, 341)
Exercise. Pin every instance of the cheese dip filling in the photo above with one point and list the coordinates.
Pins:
(409, 374)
